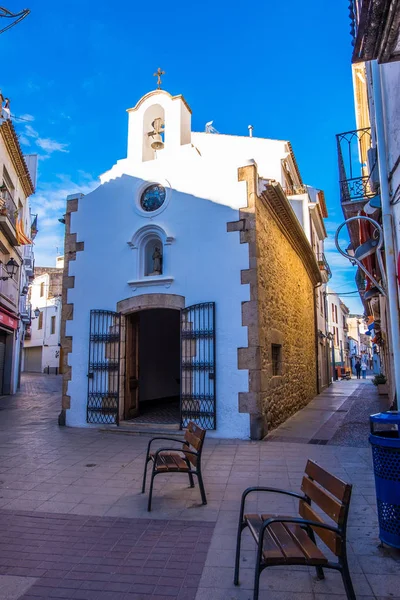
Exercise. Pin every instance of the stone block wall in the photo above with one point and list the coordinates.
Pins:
(282, 276)
(286, 317)
(71, 247)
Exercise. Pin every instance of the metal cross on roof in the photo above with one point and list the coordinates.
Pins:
(158, 74)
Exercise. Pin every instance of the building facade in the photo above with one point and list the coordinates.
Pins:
(197, 313)
(18, 179)
(369, 172)
(337, 313)
(42, 346)
(309, 206)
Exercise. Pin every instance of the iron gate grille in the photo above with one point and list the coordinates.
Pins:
(103, 374)
(198, 365)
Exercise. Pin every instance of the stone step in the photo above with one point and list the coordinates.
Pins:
(130, 428)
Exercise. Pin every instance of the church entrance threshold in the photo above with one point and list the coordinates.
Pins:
(160, 412)
(152, 392)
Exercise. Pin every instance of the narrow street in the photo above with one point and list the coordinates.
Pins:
(74, 524)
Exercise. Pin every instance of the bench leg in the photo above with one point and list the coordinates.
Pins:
(190, 474)
(201, 486)
(238, 546)
(153, 474)
(319, 570)
(257, 572)
(144, 474)
(348, 585)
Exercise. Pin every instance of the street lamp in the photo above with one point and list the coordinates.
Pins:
(11, 268)
(36, 312)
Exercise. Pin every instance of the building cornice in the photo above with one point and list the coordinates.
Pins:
(322, 204)
(17, 158)
(296, 166)
(156, 93)
(279, 207)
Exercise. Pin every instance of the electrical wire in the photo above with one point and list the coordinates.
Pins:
(5, 13)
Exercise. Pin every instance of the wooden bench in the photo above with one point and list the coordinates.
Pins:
(287, 540)
(186, 459)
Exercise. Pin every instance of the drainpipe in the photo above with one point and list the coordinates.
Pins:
(387, 227)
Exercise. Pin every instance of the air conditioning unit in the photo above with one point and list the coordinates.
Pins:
(373, 168)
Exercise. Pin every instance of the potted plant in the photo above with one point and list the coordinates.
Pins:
(381, 383)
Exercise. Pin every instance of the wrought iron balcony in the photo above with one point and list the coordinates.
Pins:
(9, 288)
(295, 190)
(25, 309)
(354, 172)
(8, 215)
(323, 265)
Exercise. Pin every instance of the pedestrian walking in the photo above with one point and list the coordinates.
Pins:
(364, 370)
(358, 369)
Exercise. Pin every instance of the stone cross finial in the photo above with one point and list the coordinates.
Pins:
(158, 74)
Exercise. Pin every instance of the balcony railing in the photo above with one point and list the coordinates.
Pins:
(8, 214)
(25, 309)
(295, 190)
(9, 287)
(323, 264)
(354, 174)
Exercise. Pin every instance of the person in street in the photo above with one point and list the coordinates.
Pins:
(364, 370)
(358, 369)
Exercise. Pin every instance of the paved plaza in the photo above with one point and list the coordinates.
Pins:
(74, 524)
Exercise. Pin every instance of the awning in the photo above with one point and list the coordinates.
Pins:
(7, 320)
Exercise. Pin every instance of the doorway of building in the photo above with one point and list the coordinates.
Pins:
(152, 382)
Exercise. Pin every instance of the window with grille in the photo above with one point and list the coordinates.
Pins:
(276, 359)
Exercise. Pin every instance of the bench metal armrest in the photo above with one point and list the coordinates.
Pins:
(268, 489)
(184, 442)
(299, 521)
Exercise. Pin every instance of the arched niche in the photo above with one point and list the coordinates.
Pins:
(144, 243)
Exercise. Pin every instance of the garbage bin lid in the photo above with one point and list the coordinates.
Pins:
(390, 416)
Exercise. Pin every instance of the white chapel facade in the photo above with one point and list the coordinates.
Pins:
(161, 321)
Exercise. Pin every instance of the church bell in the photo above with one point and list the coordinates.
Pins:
(157, 143)
(158, 128)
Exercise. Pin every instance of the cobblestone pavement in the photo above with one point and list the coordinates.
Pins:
(73, 521)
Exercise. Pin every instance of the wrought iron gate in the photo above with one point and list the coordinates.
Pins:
(103, 373)
(198, 365)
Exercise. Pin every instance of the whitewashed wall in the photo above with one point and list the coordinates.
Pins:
(205, 261)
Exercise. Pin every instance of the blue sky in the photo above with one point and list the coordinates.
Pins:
(72, 68)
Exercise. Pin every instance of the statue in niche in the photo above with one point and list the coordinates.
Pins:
(157, 261)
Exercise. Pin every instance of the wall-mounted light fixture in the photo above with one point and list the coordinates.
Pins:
(11, 267)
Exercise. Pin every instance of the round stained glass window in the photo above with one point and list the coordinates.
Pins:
(152, 198)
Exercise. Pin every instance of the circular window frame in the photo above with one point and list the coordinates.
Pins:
(140, 191)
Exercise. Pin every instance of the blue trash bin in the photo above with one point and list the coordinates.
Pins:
(385, 445)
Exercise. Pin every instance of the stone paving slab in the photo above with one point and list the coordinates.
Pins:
(12, 587)
(60, 474)
(104, 558)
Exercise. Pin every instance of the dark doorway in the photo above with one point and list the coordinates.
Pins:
(153, 347)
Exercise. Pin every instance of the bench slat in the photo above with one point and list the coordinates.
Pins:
(270, 548)
(333, 484)
(290, 550)
(193, 440)
(327, 503)
(330, 538)
(170, 462)
(312, 553)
